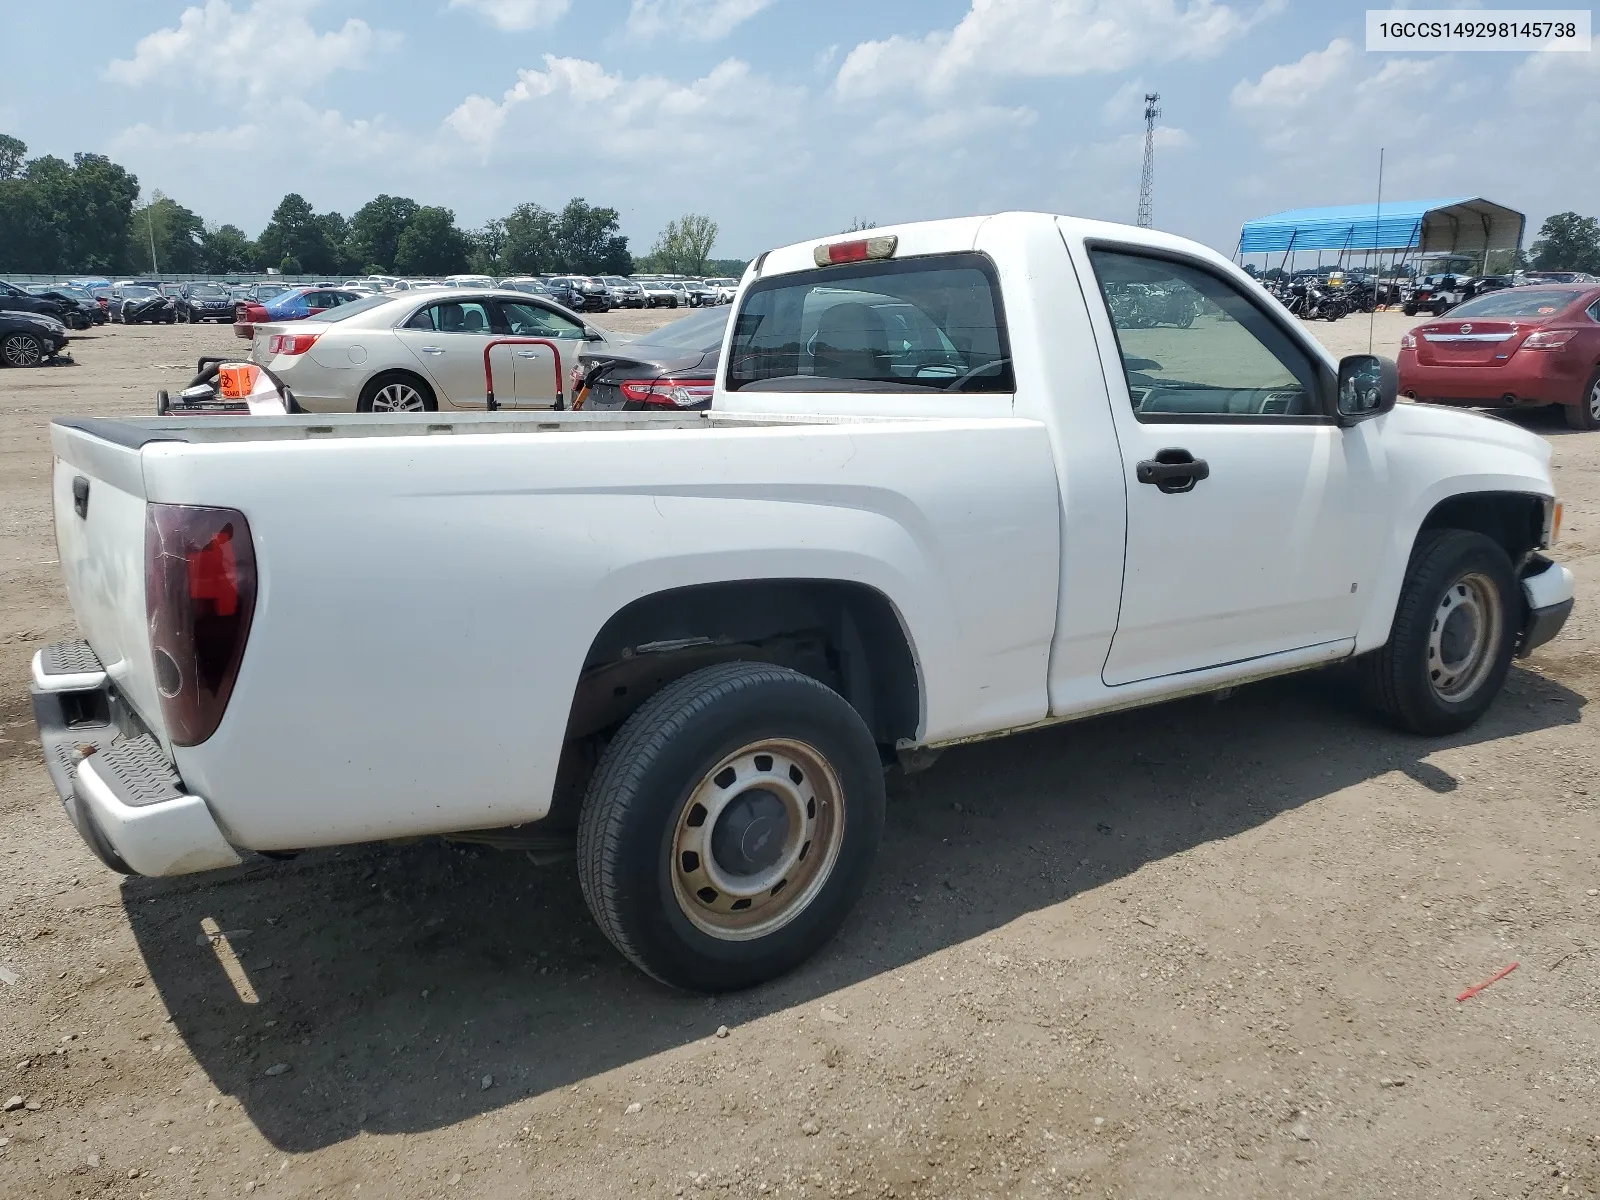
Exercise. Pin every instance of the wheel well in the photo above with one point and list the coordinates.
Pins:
(383, 377)
(846, 635)
(1514, 520)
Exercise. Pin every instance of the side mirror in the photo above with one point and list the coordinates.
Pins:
(591, 334)
(1369, 384)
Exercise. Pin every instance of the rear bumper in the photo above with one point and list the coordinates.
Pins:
(116, 785)
(1533, 378)
(1547, 589)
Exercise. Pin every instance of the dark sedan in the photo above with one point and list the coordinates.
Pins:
(81, 309)
(15, 299)
(135, 303)
(671, 369)
(197, 302)
(29, 339)
(579, 293)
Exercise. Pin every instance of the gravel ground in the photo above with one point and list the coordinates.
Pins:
(1206, 948)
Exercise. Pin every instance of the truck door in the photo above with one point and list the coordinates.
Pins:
(447, 339)
(1254, 520)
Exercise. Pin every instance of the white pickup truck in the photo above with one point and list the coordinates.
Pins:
(955, 482)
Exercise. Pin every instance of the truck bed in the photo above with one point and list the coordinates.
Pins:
(133, 433)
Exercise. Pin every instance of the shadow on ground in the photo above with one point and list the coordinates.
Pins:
(398, 976)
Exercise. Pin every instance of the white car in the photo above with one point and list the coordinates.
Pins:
(423, 351)
(949, 488)
(469, 281)
(725, 289)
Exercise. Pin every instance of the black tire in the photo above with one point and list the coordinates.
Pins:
(642, 795)
(673, 303)
(1399, 678)
(1585, 414)
(22, 350)
(1440, 309)
(1410, 310)
(375, 385)
(171, 318)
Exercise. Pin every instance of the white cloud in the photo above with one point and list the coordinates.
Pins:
(1043, 38)
(517, 16)
(714, 117)
(269, 47)
(690, 20)
(1125, 105)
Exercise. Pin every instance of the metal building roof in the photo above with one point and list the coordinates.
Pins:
(1463, 223)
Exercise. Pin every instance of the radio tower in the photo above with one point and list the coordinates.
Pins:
(1147, 178)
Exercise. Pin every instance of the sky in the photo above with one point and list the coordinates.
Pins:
(790, 119)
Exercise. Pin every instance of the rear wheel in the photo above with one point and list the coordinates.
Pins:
(1453, 635)
(396, 392)
(1410, 310)
(21, 350)
(731, 826)
(1585, 414)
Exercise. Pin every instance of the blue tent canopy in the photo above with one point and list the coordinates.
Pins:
(1462, 224)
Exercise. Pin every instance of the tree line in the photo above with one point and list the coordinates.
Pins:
(86, 217)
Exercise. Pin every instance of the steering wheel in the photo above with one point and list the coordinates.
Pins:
(974, 373)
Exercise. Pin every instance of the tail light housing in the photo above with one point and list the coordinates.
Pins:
(1408, 341)
(291, 343)
(855, 250)
(200, 595)
(1548, 339)
(669, 392)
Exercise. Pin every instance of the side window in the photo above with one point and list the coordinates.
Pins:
(1194, 345)
(1594, 311)
(533, 320)
(452, 317)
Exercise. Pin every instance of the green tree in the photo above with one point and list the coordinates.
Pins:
(431, 244)
(587, 241)
(225, 249)
(1568, 242)
(175, 231)
(336, 232)
(685, 244)
(295, 231)
(488, 247)
(375, 231)
(530, 245)
(13, 153)
(289, 265)
(60, 216)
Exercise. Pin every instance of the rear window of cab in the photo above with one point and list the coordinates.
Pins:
(925, 324)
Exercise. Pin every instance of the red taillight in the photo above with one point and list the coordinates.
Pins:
(291, 343)
(1408, 341)
(855, 250)
(200, 594)
(669, 392)
(1548, 339)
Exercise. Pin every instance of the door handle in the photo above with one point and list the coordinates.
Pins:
(432, 350)
(527, 354)
(1173, 471)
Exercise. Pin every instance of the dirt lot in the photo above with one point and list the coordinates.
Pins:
(1210, 948)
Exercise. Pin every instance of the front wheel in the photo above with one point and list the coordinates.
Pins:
(22, 350)
(1585, 414)
(1454, 633)
(731, 826)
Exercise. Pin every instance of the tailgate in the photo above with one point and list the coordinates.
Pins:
(99, 502)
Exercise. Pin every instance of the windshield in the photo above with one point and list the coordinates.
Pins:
(137, 293)
(265, 291)
(75, 293)
(930, 323)
(209, 291)
(702, 332)
(365, 304)
(1518, 302)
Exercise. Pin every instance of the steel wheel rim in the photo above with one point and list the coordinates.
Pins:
(22, 351)
(724, 899)
(1594, 402)
(1464, 638)
(397, 397)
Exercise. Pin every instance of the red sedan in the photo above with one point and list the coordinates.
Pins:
(1521, 346)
